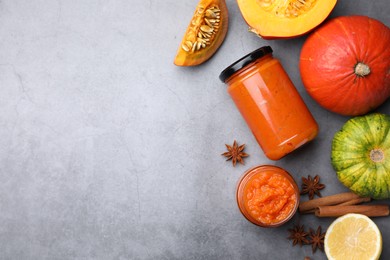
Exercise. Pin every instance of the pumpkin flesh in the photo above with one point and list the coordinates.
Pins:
(284, 19)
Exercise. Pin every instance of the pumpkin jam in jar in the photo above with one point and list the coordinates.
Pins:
(267, 196)
(269, 103)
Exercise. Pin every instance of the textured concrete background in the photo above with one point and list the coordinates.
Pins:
(109, 151)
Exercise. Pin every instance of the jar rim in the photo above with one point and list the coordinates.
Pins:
(244, 61)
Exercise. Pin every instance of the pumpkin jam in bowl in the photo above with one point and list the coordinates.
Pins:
(267, 196)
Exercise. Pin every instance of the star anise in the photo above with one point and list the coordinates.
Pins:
(298, 235)
(317, 239)
(235, 153)
(312, 186)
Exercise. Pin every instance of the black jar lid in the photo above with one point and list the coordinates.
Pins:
(244, 61)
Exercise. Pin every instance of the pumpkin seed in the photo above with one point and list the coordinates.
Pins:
(287, 8)
(207, 35)
(202, 40)
(206, 28)
(210, 14)
(185, 48)
(198, 45)
(189, 44)
(208, 22)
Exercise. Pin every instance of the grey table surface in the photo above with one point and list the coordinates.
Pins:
(109, 151)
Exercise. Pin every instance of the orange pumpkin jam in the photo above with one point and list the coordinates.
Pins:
(270, 104)
(267, 195)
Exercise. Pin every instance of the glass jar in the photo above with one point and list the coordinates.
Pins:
(267, 196)
(269, 103)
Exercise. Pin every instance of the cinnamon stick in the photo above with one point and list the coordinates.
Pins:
(355, 201)
(347, 203)
(327, 201)
(308, 211)
(368, 210)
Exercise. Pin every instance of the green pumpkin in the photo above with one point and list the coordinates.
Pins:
(361, 155)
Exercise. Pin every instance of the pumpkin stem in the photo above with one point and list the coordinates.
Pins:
(362, 69)
(377, 155)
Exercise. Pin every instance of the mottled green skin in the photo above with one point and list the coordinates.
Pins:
(351, 149)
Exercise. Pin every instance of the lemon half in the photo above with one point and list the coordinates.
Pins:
(353, 236)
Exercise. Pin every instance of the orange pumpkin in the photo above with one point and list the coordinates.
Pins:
(345, 64)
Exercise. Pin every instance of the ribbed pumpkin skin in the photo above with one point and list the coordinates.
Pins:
(351, 159)
(328, 59)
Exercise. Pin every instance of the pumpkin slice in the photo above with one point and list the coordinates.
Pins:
(205, 33)
(284, 18)
(361, 155)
